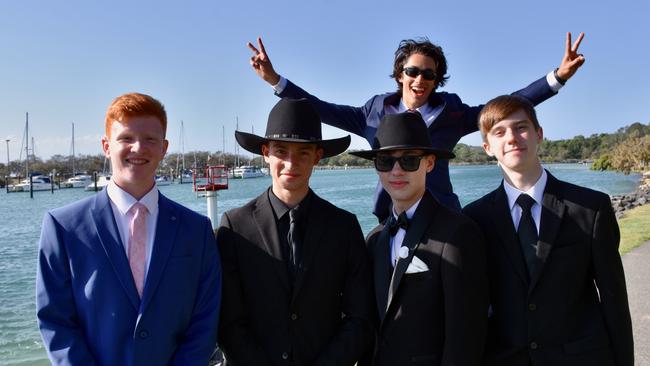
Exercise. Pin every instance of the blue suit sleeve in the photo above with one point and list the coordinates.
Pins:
(55, 305)
(200, 338)
(345, 117)
(536, 92)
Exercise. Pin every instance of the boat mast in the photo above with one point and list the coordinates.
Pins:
(236, 145)
(73, 153)
(26, 144)
(183, 144)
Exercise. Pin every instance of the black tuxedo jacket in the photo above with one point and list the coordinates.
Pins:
(436, 317)
(573, 310)
(324, 320)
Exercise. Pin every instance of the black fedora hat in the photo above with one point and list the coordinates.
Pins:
(403, 131)
(293, 120)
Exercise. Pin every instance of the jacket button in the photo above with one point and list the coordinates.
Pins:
(533, 345)
(285, 355)
(294, 316)
(532, 307)
(143, 334)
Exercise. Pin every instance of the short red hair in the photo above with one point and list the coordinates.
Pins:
(133, 105)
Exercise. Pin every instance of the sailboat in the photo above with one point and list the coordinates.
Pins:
(77, 180)
(184, 175)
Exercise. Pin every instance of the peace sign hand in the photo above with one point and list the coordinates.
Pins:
(572, 60)
(262, 64)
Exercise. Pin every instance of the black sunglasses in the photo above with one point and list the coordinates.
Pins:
(408, 163)
(413, 72)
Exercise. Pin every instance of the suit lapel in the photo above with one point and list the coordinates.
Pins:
(383, 270)
(166, 228)
(422, 218)
(502, 220)
(265, 223)
(553, 209)
(109, 238)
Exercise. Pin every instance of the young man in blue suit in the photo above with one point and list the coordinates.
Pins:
(557, 288)
(419, 68)
(129, 277)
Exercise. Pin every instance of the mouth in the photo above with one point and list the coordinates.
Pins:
(398, 184)
(136, 161)
(418, 91)
(516, 150)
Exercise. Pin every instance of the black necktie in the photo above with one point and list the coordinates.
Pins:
(527, 232)
(395, 224)
(293, 239)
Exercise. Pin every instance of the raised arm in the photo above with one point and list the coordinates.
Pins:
(261, 63)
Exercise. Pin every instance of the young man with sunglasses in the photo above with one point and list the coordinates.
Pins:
(557, 287)
(428, 260)
(419, 68)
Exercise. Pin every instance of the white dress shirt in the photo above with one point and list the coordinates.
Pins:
(121, 203)
(536, 192)
(396, 241)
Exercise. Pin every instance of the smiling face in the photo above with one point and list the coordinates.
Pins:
(416, 90)
(513, 141)
(290, 165)
(135, 146)
(406, 188)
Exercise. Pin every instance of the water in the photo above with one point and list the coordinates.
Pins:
(20, 220)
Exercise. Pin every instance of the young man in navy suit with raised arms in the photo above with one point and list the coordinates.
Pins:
(557, 288)
(127, 276)
(419, 68)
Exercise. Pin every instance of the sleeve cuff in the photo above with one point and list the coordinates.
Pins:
(550, 79)
(279, 87)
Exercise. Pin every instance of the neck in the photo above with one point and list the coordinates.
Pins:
(400, 206)
(523, 180)
(290, 198)
(136, 192)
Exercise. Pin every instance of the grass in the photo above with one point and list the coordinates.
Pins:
(635, 228)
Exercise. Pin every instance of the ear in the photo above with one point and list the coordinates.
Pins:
(106, 147)
(319, 155)
(431, 162)
(486, 148)
(265, 153)
(165, 146)
(540, 135)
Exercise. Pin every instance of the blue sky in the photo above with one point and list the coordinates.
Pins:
(65, 61)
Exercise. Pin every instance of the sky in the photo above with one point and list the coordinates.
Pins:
(63, 62)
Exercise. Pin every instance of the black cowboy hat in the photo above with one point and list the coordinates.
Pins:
(403, 131)
(293, 120)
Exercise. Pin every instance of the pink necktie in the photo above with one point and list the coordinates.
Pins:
(138, 244)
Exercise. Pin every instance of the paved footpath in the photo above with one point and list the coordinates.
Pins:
(637, 276)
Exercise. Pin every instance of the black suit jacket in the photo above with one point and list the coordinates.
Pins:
(574, 309)
(436, 317)
(324, 320)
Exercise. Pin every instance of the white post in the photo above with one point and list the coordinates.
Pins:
(212, 207)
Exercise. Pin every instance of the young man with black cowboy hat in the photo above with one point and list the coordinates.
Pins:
(428, 260)
(296, 276)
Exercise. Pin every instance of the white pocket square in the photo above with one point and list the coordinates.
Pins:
(416, 266)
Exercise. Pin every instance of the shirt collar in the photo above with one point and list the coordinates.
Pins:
(536, 191)
(124, 201)
(280, 208)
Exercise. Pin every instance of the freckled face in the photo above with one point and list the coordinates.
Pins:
(135, 147)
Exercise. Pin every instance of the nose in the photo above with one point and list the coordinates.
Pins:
(511, 137)
(397, 169)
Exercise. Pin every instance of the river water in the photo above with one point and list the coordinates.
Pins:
(20, 222)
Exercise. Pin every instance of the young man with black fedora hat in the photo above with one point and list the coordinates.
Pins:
(296, 277)
(428, 260)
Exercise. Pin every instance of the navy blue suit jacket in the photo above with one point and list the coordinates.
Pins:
(456, 120)
(88, 307)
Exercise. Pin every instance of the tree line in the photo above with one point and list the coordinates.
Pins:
(626, 150)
